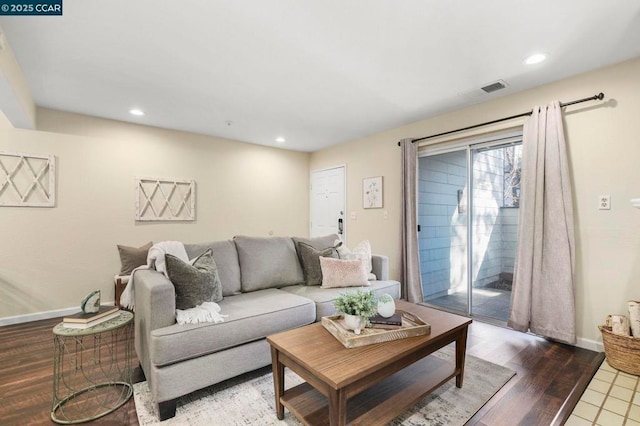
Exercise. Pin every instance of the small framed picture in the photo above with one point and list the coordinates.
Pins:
(372, 193)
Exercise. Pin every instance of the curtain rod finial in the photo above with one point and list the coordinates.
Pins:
(600, 96)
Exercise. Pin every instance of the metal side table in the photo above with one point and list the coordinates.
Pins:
(91, 369)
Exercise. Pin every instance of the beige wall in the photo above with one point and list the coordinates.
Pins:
(51, 257)
(15, 97)
(604, 149)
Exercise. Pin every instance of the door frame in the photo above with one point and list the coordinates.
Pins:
(344, 186)
(470, 146)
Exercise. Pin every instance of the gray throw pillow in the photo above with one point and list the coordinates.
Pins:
(132, 257)
(226, 257)
(317, 242)
(196, 283)
(310, 260)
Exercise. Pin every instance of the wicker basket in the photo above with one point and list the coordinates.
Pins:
(623, 352)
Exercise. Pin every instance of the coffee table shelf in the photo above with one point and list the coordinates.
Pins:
(377, 405)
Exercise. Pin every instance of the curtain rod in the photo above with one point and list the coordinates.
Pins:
(597, 97)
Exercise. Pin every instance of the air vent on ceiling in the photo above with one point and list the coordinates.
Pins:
(493, 87)
(476, 94)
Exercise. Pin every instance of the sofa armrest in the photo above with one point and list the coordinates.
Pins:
(380, 265)
(155, 303)
(155, 299)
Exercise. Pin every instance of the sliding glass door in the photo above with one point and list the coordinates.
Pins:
(468, 203)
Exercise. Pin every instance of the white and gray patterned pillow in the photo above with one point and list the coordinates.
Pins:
(194, 283)
(361, 252)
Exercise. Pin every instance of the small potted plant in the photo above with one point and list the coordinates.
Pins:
(357, 307)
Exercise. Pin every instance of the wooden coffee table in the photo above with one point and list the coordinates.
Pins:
(368, 385)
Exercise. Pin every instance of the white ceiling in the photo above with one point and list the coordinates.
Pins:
(315, 72)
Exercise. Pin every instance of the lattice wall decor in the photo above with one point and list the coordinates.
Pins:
(165, 199)
(27, 180)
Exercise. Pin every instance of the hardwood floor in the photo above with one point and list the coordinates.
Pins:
(549, 381)
(550, 377)
(26, 377)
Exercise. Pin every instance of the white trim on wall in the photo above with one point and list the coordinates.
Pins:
(583, 343)
(592, 345)
(36, 316)
(478, 141)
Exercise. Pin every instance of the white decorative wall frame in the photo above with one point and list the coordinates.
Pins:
(165, 199)
(27, 180)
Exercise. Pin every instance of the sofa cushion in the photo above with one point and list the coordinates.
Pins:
(194, 283)
(310, 261)
(267, 262)
(226, 258)
(251, 316)
(323, 297)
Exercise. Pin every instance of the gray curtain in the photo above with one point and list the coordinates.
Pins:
(411, 279)
(543, 294)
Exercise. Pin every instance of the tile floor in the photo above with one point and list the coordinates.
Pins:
(612, 398)
(487, 302)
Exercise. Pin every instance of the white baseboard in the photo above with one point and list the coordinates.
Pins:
(592, 345)
(19, 319)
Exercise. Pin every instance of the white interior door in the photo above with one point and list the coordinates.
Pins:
(327, 209)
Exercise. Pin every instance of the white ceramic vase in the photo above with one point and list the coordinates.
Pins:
(386, 306)
(354, 322)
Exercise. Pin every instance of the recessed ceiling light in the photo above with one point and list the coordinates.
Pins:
(280, 139)
(136, 111)
(535, 59)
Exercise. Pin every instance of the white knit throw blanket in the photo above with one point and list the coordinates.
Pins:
(155, 259)
(127, 298)
(206, 312)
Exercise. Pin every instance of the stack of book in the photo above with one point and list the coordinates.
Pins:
(393, 322)
(84, 320)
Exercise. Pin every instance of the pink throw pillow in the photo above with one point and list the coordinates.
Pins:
(343, 273)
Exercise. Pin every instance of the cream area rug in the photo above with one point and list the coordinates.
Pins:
(249, 399)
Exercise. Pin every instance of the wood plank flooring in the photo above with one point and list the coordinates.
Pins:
(550, 377)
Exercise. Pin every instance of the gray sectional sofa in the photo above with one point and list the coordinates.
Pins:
(263, 294)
